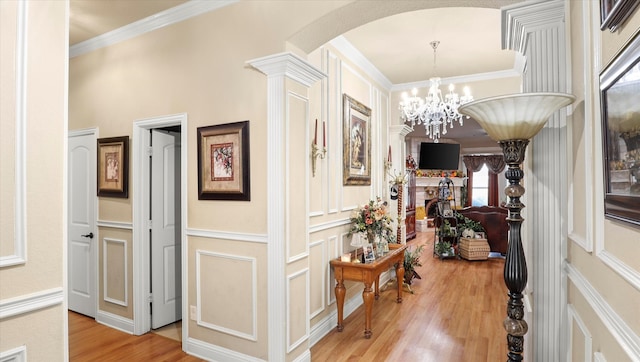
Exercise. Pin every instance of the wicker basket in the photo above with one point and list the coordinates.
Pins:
(474, 249)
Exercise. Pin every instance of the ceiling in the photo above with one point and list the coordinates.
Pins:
(398, 46)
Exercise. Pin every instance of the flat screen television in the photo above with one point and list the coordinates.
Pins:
(439, 156)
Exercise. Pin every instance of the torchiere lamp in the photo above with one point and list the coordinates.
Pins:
(512, 120)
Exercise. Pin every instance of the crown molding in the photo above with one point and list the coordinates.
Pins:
(353, 54)
(164, 18)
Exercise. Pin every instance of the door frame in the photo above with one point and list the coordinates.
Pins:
(140, 200)
(94, 132)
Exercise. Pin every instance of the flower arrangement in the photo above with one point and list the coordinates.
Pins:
(372, 219)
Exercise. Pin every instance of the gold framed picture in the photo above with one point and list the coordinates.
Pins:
(356, 142)
(223, 162)
(113, 167)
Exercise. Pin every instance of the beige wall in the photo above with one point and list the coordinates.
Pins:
(604, 271)
(41, 329)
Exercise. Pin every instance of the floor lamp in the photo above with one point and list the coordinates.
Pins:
(512, 120)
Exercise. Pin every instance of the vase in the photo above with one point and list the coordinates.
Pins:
(373, 239)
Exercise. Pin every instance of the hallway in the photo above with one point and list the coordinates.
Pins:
(455, 314)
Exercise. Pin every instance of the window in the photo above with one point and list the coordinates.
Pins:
(480, 190)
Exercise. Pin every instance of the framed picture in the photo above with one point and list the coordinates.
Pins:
(113, 167)
(620, 90)
(614, 13)
(223, 162)
(480, 235)
(356, 142)
(369, 255)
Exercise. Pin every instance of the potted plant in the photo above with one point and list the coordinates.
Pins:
(444, 249)
(411, 262)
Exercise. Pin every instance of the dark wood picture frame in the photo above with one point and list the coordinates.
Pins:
(356, 142)
(223, 162)
(113, 167)
(614, 13)
(620, 90)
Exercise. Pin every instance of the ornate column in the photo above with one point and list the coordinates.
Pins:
(397, 134)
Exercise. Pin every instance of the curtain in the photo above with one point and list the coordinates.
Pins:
(495, 164)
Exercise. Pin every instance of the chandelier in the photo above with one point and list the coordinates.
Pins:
(434, 111)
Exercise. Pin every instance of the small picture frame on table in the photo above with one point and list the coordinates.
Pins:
(369, 255)
(480, 235)
(113, 167)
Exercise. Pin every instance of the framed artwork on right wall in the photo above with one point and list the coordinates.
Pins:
(620, 91)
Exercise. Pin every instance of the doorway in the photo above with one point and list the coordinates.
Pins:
(159, 219)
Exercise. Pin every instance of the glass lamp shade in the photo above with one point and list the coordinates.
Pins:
(515, 116)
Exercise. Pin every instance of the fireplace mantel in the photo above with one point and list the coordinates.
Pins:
(422, 183)
(433, 181)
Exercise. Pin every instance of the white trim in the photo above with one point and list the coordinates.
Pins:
(19, 255)
(106, 273)
(625, 271)
(508, 73)
(353, 54)
(141, 248)
(304, 357)
(288, 65)
(31, 302)
(114, 224)
(212, 352)
(328, 225)
(115, 321)
(616, 326)
(574, 316)
(65, 197)
(170, 16)
(18, 354)
(293, 345)
(329, 280)
(227, 235)
(253, 336)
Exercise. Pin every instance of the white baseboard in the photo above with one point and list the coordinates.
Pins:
(210, 352)
(115, 321)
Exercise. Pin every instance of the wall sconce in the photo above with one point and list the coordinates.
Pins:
(512, 120)
(315, 151)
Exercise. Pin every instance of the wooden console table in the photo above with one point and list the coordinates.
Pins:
(367, 273)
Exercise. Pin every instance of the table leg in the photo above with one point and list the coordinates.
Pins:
(377, 294)
(367, 296)
(340, 293)
(400, 277)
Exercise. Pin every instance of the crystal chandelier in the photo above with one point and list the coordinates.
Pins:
(434, 110)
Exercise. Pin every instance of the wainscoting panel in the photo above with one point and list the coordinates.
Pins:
(213, 305)
(297, 328)
(317, 264)
(13, 137)
(18, 354)
(580, 343)
(114, 271)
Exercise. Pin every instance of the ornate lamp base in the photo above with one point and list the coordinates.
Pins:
(515, 267)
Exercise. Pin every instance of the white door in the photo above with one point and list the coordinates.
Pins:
(166, 306)
(82, 245)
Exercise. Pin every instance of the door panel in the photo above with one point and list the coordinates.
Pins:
(81, 246)
(165, 231)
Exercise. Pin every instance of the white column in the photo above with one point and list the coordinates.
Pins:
(279, 68)
(538, 32)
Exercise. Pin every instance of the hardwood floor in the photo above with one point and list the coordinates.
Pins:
(455, 314)
(92, 341)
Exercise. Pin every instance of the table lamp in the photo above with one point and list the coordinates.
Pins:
(512, 120)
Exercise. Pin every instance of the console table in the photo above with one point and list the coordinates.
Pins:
(367, 273)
